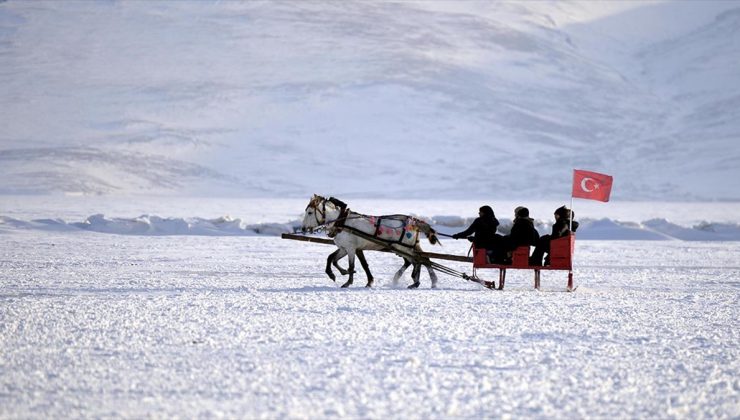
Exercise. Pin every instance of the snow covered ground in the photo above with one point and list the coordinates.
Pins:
(97, 324)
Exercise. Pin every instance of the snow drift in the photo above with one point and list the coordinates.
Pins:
(149, 225)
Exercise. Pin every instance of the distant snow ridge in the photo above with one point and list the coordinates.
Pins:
(590, 229)
(147, 225)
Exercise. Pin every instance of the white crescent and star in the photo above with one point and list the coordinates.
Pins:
(584, 185)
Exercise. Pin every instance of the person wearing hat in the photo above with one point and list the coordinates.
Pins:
(560, 228)
(484, 228)
(523, 232)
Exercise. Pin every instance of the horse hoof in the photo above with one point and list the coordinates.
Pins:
(333, 277)
(346, 285)
(414, 286)
(343, 272)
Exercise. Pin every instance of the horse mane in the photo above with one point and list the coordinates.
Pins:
(337, 202)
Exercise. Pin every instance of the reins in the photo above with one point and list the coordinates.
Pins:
(409, 254)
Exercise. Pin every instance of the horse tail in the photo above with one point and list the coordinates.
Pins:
(430, 233)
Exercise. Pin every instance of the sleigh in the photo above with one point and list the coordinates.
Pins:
(561, 252)
(561, 255)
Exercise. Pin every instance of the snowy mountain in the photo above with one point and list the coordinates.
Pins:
(370, 99)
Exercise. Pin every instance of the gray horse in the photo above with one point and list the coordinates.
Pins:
(398, 232)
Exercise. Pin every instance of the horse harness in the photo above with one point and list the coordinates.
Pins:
(339, 223)
(322, 211)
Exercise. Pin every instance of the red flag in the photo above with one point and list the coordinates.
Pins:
(591, 185)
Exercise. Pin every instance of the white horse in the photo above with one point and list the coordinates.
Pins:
(349, 229)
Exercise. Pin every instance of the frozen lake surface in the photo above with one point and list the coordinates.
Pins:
(95, 325)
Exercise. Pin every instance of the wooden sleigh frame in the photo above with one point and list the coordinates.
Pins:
(561, 258)
(327, 241)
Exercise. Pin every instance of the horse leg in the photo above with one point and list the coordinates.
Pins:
(332, 259)
(432, 275)
(399, 273)
(351, 258)
(415, 275)
(329, 260)
(363, 262)
(336, 264)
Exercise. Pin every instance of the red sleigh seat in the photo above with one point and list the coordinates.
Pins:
(561, 253)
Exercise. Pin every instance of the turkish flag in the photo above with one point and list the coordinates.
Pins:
(591, 185)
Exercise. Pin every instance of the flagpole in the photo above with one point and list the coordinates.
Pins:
(570, 247)
(570, 222)
(601, 186)
(570, 225)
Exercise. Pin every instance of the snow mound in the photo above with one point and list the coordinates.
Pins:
(146, 225)
(616, 230)
(590, 229)
(451, 221)
(705, 231)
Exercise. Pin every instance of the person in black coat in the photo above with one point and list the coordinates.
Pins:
(484, 229)
(560, 228)
(523, 232)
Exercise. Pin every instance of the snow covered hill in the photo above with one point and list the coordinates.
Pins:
(370, 99)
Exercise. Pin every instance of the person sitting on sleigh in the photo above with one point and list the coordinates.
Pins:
(561, 228)
(484, 230)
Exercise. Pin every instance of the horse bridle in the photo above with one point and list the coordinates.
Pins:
(322, 211)
(338, 204)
